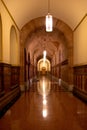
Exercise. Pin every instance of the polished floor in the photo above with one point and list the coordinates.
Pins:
(47, 106)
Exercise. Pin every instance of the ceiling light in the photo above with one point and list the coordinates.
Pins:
(49, 20)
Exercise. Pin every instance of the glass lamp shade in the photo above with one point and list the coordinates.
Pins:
(49, 23)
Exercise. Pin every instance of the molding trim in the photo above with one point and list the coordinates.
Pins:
(80, 65)
(80, 22)
(10, 14)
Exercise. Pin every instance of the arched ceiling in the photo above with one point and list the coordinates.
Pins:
(40, 40)
(35, 39)
(69, 11)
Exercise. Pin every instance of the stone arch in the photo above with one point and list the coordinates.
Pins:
(13, 46)
(39, 23)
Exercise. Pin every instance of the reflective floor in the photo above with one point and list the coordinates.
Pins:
(47, 106)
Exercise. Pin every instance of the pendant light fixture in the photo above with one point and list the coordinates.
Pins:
(49, 20)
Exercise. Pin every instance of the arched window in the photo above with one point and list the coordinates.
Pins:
(0, 39)
(13, 46)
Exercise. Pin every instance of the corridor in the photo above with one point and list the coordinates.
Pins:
(46, 106)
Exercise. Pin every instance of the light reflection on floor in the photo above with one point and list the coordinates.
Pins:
(47, 106)
(44, 86)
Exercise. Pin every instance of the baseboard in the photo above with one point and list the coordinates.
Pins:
(80, 94)
(69, 87)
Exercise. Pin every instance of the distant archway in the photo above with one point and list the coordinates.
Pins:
(41, 64)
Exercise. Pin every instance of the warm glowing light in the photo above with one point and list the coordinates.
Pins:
(44, 59)
(44, 53)
(44, 89)
(44, 113)
(44, 101)
(49, 23)
(44, 96)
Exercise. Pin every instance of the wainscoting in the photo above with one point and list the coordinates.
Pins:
(80, 81)
(15, 73)
(9, 85)
(61, 71)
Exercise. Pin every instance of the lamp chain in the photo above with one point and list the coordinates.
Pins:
(48, 6)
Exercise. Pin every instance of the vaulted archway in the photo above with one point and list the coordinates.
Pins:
(35, 39)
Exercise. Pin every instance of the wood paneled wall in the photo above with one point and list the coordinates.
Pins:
(60, 70)
(1, 81)
(32, 71)
(80, 81)
(5, 77)
(15, 73)
(9, 84)
(65, 71)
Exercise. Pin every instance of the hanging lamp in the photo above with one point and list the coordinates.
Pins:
(49, 20)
